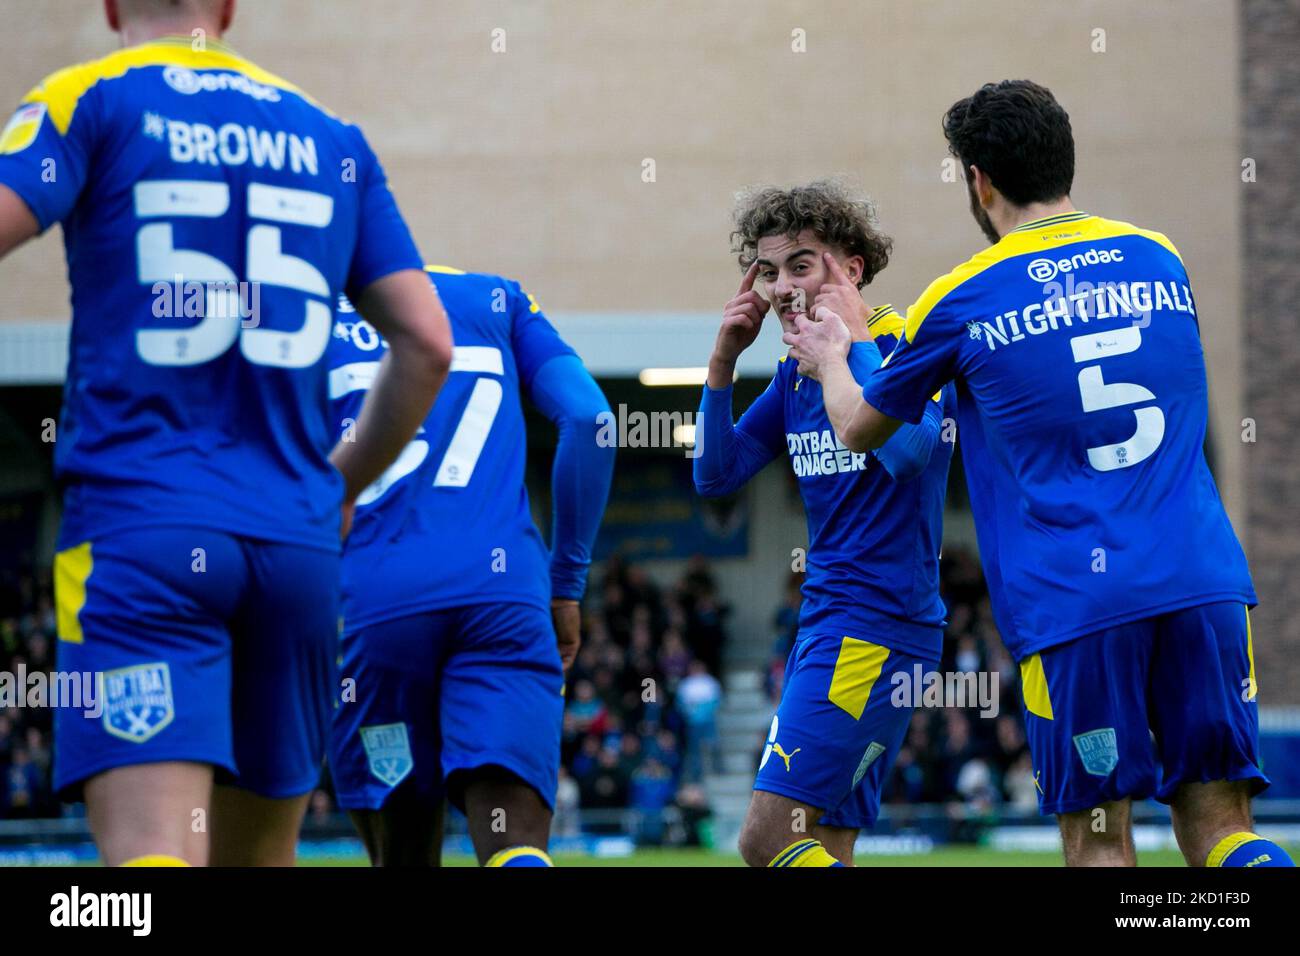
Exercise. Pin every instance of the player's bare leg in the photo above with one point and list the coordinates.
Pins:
(248, 830)
(1101, 836)
(773, 824)
(504, 812)
(148, 811)
(839, 841)
(407, 831)
(1205, 813)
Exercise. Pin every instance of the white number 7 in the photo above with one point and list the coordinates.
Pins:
(457, 465)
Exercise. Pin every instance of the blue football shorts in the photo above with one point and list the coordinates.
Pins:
(204, 647)
(840, 724)
(1138, 709)
(445, 691)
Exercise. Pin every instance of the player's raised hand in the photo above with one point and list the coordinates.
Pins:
(818, 340)
(567, 617)
(840, 295)
(742, 319)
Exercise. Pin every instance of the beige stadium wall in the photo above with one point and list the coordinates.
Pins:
(530, 160)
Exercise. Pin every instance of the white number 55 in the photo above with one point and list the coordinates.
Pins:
(160, 261)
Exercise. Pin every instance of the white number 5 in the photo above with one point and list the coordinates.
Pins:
(1098, 395)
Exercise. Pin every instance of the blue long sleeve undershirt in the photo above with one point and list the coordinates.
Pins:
(564, 391)
(728, 454)
(908, 450)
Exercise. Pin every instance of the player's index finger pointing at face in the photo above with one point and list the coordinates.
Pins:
(838, 274)
(747, 283)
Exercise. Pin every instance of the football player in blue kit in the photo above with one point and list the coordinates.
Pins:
(1116, 579)
(452, 603)
(871, 612)
(197, 562)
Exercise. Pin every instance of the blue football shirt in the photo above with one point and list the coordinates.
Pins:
(872, 565)
(1074, 344)
(449, 523)
(212, 214)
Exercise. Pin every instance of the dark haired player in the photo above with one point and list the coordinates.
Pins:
(1115, 576)
(871, 607)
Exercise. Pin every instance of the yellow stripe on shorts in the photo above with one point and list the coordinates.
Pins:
(1034, 685)
(856, 671)
(71, 569)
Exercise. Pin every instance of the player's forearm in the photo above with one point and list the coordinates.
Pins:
(841, 395)
(396, 405)
(723, 461)
(580, 480)
(859, 426)
(908, 450)
(581, 473)
(722, 372)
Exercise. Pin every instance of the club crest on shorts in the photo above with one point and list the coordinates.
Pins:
(137, 701)
(1098, 751)
(874, 750)
(388, 751)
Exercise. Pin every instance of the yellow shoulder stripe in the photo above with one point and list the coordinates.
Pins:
(445, 270)
(63, 90)
(1049, 234)
(885, 320)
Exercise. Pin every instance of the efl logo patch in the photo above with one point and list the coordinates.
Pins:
(137, 701)
(1098, 751)
(388, 751)
(874, 750)
(22, 129)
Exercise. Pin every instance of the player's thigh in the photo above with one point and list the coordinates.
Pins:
(1203, 699)
(1086, 720)
(385, 738)
(141, 622)
(407, 831)
(284, 680)
(152, 810)
(837, 724)
(251, 830)
(501, 702)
